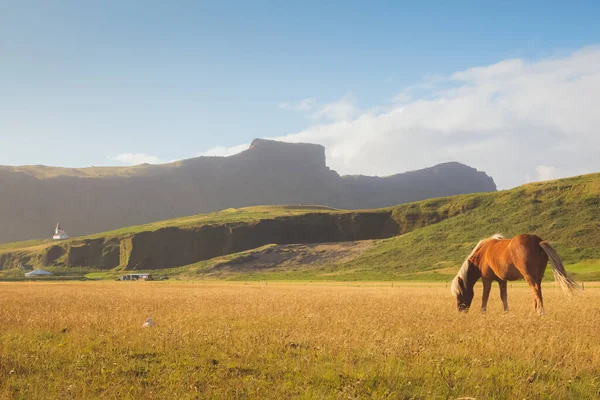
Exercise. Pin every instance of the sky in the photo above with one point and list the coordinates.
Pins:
(508, 87)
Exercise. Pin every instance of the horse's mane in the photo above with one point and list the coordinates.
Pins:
(464, 269)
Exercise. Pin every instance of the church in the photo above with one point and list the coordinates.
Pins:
(59, 234)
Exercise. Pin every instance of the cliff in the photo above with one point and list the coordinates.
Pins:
(167, 245)
(92, 200)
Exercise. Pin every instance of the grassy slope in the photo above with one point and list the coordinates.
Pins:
(232, 215)
(48, 172)
(566, 212)
(247, 214)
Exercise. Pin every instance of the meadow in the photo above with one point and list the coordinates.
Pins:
(292, 340)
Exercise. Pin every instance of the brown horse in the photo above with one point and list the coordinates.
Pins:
(502, 260)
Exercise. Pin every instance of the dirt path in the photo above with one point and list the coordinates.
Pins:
(294, 256)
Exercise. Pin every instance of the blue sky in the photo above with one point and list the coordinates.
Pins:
(84, 82)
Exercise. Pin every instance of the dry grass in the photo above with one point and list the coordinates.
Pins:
(218, 340)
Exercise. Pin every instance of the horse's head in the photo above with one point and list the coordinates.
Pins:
(464, 296)
(462, 285)
(469, 273)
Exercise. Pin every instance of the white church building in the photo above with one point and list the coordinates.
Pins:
(59, 234)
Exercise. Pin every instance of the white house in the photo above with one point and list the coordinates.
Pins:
(37, 272)
(59, 234)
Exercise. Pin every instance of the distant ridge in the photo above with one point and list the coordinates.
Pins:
(95, 199)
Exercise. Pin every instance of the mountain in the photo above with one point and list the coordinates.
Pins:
(96, 199)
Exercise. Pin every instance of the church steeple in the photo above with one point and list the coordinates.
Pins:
(59, 234)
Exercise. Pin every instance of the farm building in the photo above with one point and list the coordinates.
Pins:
(37, 273)
(136, 277)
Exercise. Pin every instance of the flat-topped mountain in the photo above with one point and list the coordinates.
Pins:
(96, 199)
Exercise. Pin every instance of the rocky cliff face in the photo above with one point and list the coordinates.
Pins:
(173, 247)
(288, 155)
(93, 200)
(176, 246)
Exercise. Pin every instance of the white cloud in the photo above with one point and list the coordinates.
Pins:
(304, 105)
(341, 110)
(517, 120)
(221, 151)
(547, 172)
(136, 159)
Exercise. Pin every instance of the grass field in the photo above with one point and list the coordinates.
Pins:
(292, 340)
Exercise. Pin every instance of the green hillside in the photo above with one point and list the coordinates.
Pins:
(565, 212)
(435, 236)
(231, 215)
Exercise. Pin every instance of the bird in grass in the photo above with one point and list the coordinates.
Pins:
(148, 323)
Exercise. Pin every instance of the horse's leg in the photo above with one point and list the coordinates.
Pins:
(538, 305)
(503, 294)
(540, 301)
(487, 286)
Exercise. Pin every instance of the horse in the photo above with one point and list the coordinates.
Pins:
(499, 259)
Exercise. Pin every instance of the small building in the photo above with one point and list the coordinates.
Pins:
(37, 273)
(137, 277)
(59, 234)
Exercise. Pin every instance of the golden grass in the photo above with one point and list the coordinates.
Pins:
(227, 340)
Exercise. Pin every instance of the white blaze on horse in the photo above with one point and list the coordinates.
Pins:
(498, 259)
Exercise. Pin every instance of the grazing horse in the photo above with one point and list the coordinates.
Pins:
(502, 260)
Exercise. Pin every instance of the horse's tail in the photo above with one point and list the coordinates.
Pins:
(567, 284)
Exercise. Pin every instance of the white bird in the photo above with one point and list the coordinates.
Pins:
(148, 323)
